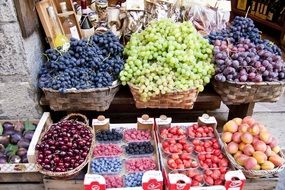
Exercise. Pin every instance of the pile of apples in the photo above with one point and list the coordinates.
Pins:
(251, 144)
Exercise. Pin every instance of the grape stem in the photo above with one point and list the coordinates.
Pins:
(46, 57)
(107, 57)
(247, 12)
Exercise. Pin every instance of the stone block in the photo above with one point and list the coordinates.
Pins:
(12, 53)
(19, 100)
(7, 11)
(34, 52)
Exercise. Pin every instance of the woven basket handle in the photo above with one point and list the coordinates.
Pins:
(77, 117)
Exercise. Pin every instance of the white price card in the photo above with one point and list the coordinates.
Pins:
(135, 5)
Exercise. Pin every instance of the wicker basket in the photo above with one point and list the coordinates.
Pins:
(249, 173)
(179, 100)
(81, 119)
(235, 93)
(97, 99)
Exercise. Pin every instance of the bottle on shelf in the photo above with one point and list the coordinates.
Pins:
(271, 10)
(69, 26)
(274, 11)
(85, 24)
(258, 7)
(253, 7)
(59, 38)
(281, 17)
(262, 3)
(265, 9)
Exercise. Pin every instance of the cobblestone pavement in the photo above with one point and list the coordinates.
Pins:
(281, 183)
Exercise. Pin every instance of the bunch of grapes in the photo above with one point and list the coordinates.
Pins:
(247, 62)
(242, 27)
(92, 63)
(167, 57)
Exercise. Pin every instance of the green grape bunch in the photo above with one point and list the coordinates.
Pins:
(167, 57)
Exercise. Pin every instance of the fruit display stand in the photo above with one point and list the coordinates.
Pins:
(176, 179)
(123, 106)
(151, 179)
(71, 184)
(90, 99)
(234, 93)
(13, 175)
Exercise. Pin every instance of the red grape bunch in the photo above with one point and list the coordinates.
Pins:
(246, 62)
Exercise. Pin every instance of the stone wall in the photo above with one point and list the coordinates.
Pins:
(20, 60)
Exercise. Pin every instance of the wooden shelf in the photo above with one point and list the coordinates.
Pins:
(68, 13)
(259, 20)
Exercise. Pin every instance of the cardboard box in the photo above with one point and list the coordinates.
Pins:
(234, 180)
(151, 180)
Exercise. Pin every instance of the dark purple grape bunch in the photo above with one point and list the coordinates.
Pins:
(242, 27)
(88, 63)
(246, 62)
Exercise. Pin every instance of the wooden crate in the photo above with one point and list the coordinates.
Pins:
(44, 122)
(51, 184)
(261, 184)
(22, 186)
(32, 177)
(21, 181)
(41, 7)
(7, 169)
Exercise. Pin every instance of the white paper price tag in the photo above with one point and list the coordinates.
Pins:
(207, 119)
(96, 122)
(168, 1)
(166, 121)
(135, 5)
(149, 121)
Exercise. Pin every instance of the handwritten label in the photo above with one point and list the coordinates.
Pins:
(96, 122)
(166, 121)
(149, 121)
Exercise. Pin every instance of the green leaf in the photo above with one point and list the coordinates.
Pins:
(11, 149)
(29, 126)
(1, 129)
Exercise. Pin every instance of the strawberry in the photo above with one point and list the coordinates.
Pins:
(181, 166)
(218, 182)
(178, 161)
(185, 156)
(201, 157)
(173, 165)
(209, 180)
(198, 177)
(208, 172)
(223, 170)
(175, 156)
(196, 142)
(195, 183)
(194, 164)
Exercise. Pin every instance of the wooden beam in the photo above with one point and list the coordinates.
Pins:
(241, 110)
